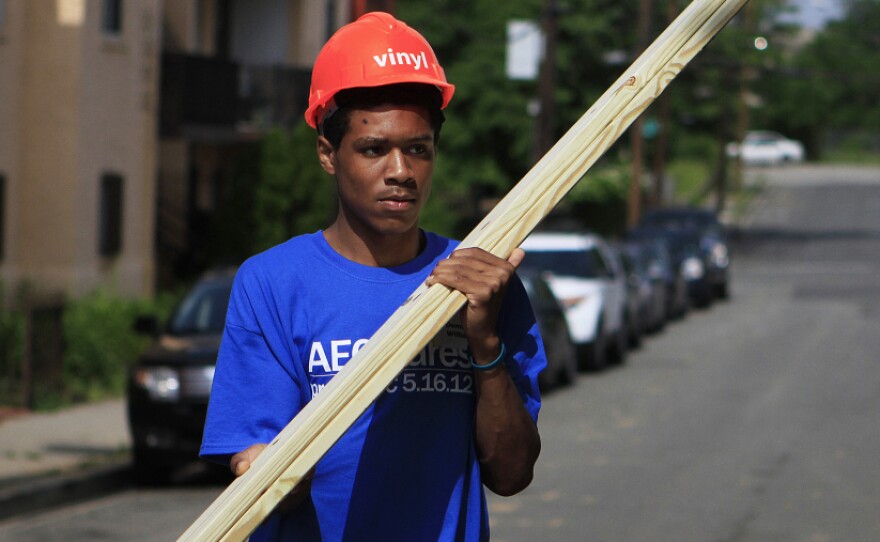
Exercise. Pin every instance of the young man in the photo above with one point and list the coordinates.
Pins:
(462, 414)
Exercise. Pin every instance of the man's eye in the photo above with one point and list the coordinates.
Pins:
(418, 149)
(372, 151)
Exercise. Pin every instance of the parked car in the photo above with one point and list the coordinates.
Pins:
(561, 353)
(766, 148)
(713, 239)
(586, 278)
(645, 279)
(637, 297)
(663, 269)
(168, 387)
(684, 248)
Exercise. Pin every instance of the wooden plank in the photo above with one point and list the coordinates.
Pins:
(251, 497)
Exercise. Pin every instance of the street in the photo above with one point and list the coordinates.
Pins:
(753, 420)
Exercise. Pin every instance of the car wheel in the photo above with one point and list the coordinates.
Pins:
(659, 319)
(568, 372)
(618, 348)
(703, 297)
(594, 355)
(722, 291)
(635, 330)
(148, 471)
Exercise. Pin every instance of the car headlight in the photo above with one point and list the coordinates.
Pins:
(692, 268)
(719, 255)
(162, 383)
(573, 301)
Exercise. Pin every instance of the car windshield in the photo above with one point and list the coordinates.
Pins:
(570, 263)
(763, 137)
(203, 310)
(680, 220)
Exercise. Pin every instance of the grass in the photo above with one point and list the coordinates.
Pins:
(851, 156)
(690, 178)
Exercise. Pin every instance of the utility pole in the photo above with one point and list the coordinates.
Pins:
(544, 136)
(742, 108)
(660, 147)
(636, 135)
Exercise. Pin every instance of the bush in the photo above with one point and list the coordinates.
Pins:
(97, 346)
(101, 344)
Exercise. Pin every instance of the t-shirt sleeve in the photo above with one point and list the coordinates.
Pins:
(256, 389)
(519, 331)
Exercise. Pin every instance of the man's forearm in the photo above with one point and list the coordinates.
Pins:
(507, 439)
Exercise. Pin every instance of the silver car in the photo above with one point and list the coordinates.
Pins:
(589, 282)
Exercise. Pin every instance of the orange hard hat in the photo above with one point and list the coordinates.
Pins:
(375, 50)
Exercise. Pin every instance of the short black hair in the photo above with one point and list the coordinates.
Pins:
(335, 126)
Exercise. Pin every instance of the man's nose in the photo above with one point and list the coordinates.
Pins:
(398, 168)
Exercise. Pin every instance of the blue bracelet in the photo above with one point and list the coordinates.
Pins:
(492, 363)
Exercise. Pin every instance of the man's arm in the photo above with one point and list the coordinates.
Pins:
(506, 437)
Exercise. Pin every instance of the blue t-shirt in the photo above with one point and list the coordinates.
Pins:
(407, 469)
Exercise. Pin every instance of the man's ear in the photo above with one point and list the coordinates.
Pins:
(326, 155)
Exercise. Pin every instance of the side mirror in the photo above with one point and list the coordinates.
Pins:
(147, 325)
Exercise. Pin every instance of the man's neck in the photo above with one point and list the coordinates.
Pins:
(375, 250)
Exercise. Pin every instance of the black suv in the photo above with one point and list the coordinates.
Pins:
(712, 239)
(168, 387)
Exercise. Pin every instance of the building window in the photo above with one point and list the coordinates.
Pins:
(111, 16)
(2, 205)
(110, 217)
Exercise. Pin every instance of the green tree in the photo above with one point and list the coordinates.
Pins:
(485, 139)
(293, 194)
(486, 144)
(832, 82)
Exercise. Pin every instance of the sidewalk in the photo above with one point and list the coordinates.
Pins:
(44, 454)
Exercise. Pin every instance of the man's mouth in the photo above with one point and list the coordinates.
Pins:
(394, 203)
(398, 201)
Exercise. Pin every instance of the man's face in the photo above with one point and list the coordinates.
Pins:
(383, 169)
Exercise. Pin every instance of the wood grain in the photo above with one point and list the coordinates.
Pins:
(251, 497)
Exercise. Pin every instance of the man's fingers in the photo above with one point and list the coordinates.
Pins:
(241, 462)
(241, 467)
(516, 257)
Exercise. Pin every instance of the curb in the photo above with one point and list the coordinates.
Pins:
(38, 493)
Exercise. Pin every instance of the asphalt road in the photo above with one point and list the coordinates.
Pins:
(755, 420)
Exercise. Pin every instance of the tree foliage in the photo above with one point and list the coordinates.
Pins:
(487, 141)
(293, 195)
(834, 79)
(825, 82)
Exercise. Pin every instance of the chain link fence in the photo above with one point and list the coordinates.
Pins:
(31, 350)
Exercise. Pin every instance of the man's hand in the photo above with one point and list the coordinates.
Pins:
(482, 278)
(506, 438)
(242, 461)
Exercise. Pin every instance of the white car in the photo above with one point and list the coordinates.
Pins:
(589, 282)
(766, 148)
